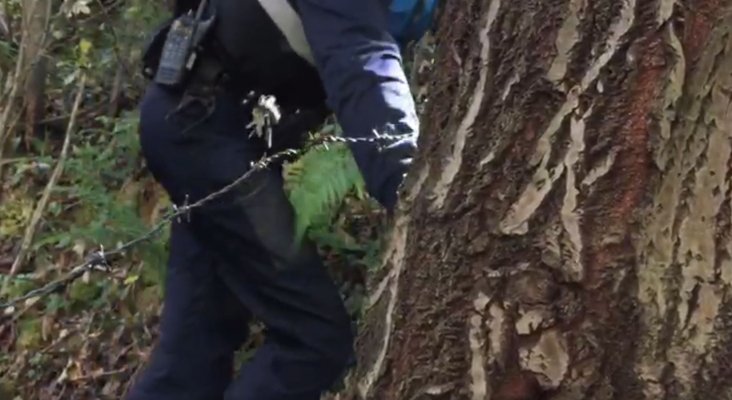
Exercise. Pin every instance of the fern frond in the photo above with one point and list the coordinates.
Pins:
(318, 182)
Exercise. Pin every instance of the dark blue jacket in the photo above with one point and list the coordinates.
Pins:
(361, 68)
(358, 63)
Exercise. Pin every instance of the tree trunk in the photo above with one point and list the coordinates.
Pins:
(36, 14)
(565, 230)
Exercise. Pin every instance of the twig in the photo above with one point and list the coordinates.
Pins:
(8, 97)
(102, 374)
(40, 207)
(121, 61)
(17, 160)
(22, 68)
(133, 378)
(5, 27)
(113, 106)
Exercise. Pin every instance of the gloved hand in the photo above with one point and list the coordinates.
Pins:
(384, 167)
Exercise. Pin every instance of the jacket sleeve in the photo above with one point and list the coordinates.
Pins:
(361, 68)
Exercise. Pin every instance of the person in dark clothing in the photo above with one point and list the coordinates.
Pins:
(237, 256)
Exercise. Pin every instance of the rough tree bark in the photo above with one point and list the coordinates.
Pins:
(35, 20)
(565, 231)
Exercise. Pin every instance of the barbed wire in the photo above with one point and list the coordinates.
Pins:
(100, 260)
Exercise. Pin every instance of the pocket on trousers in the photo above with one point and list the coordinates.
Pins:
(163, 115)
(189, 118)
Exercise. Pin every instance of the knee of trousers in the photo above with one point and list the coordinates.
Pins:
(338, 354)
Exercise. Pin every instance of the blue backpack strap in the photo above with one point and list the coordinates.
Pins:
(409, 20)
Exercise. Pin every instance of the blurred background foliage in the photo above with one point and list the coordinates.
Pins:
(88, 340)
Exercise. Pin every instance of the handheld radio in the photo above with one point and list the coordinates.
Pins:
(179, 51)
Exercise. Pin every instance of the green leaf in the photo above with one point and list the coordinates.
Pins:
(318, 182)
(84, 46)
(29, 333)
(131, 279)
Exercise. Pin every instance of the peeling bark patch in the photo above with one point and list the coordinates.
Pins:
(595, 28)
(569, 215)
(396, 260)
(516, 220)
(700, 293)
(566, 38)
(548, 359)
(496, 328)
(455, 159)
(617, 31)
(679, 286)
(453, 44)
(712, 380)
(600, 169)
(665, 10)
(479, 385)
(696, 231)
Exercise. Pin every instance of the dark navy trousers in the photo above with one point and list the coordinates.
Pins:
(234, 259)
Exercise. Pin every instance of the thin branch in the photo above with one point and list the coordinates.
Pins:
(40, 207)
(11, 86)
(14, 83)
(17, 160)
(102, 374)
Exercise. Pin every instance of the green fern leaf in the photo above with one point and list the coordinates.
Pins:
(318, 182)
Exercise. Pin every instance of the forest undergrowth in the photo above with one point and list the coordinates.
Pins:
(88, 340)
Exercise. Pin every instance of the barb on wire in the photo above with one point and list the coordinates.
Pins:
(100, 260)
